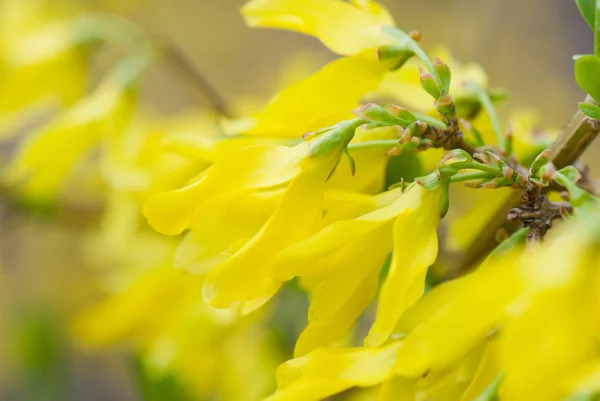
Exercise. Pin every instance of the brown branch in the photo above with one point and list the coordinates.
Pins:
(178, 59)
(568, 147)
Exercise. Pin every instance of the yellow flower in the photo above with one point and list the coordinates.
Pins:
(46, 157)
(326, 372)
(42, 58)
(553, 331)
(346, 258)
(415, 249)
(320, 100)
(351, 29)
(347, 28)
(255, 173)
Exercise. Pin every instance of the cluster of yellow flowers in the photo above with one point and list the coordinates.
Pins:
(240, 206)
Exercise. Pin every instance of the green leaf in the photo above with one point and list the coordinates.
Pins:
(590, 110)
(587, 75)
(588, 10)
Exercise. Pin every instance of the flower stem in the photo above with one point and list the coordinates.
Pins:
(471, 175)
(382, 143)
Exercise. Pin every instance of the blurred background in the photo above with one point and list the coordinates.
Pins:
(45, 281)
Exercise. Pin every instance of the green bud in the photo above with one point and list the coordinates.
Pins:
(375, 113)
(429, 83)
(541, 160)
(334, 139)
(394, 56)
(444, 72)
(456, 159)
(401, 113)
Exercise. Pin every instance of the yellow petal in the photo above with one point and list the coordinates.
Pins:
(487, 372)
(463, 321)
(331, 93)
(342, 296)
(345, 28)
(46, 157)
(255, 167)
(220, 224)
(398, 389)
(244, 277)
(319, 253)
(553, 331)
(415, 249)
(326, 372)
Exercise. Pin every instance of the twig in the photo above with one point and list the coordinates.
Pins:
(178, 59)
(568, 147)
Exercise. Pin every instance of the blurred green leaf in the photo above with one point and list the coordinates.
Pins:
(588, 10)
(590, 110)
(158, 387)
(406, 166)
(587, 75)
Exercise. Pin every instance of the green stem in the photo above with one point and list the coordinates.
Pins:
(597, 30)
(471, 175)
(382, 143)
(486, 102)
(483, 167)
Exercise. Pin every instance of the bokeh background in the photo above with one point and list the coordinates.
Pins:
(525, 46)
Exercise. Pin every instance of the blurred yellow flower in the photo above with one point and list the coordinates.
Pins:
(347, 28)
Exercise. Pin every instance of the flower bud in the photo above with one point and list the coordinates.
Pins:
(429, 83)
(444, 72)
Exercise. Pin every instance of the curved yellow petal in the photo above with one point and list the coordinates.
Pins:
(345, 28)
(325, 372)
(479, 304)
(45, 158)
(398, 389)
(220, 224)
(415, 249)
(341, 297)
(244, 276)
(255, 167)
(321, 100)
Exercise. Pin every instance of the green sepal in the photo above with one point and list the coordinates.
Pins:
(429, 83)
(350, 161)
(540, 161)
(445, 106)
(444, 73)
(394, 56)
(334, 138)
(571, 173)
(577, 196)
(590, 110)
(587, 75)
(375, 113)
(401, 113)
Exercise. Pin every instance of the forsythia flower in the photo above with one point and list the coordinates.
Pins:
(487, 332)
(302, 170)
(347, 28)
(41, 59)
(346, 258)
(46, 157)
(350, 29)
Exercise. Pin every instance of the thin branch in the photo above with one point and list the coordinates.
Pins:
(568, 147)
(178, 59)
